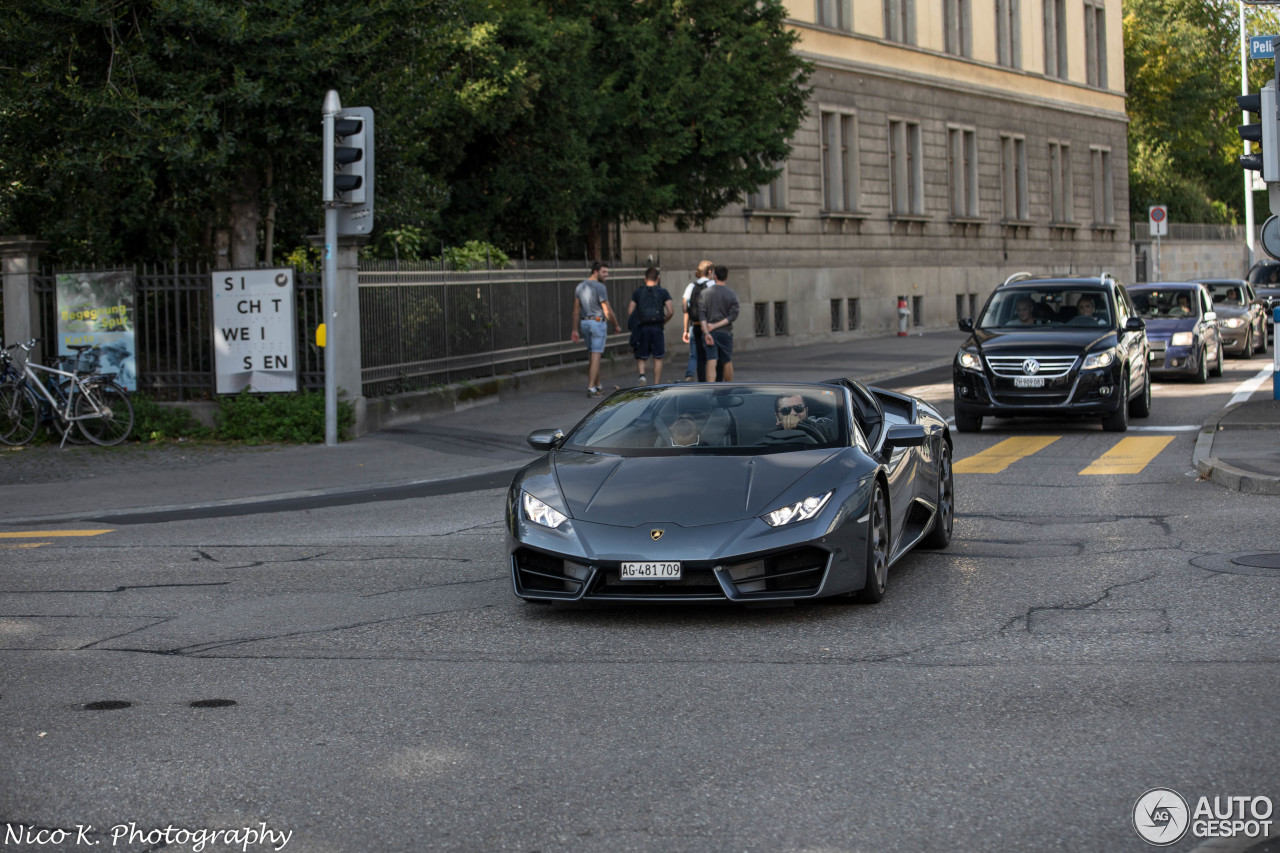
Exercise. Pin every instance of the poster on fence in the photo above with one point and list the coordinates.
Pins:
(254, 343)
(97, 308)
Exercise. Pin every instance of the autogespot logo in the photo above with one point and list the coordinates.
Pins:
(1160, 816)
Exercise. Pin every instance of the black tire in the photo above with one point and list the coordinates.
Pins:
(19, 414)
(1202, 375)
(877, 550)
(1247, 352)
(944, 518)
(111, 427)
(1261, 338)
(968, 423)
(1118, 421)
(1140, 407)
(1217, 365)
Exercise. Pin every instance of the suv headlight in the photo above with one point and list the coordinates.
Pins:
(1234, 322)
(1099, 359)
(539, 513)
(969, 360)
(798, 511)
(1181, 339)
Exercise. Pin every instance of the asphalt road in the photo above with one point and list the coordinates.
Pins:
(376, 686)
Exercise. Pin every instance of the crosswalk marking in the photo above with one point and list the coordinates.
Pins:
(999, 456)
(40, 534)
(1129, 456)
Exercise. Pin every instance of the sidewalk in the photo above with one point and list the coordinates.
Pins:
(486, 435)
(1240, 448)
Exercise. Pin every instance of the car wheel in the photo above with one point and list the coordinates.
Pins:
(1202, 375)
(968, 423)
(1141, 407)
(1217, 365)
(1118, 421)
(1247, 352)
(877, 550)
(1261, 338)
(944, 517)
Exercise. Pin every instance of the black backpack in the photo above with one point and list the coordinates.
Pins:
(694, 297)
(649, 306)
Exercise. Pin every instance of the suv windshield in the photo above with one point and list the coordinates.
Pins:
(1048, 306)
(1153, 304)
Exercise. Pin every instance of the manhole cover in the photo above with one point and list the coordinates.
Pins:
(1258, 561)
(1248, 563)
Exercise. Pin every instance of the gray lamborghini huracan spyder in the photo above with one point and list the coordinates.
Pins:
(737, 492)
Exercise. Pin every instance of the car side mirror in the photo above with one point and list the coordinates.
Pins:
(965, 324)
(545, 439)
(905, 435)
(1135, 324)
(1211, 315)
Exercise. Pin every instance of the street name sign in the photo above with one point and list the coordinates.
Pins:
(254, 343)
(1262, 47)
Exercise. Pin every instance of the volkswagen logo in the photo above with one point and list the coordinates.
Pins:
(1031, 367)
(656, 534)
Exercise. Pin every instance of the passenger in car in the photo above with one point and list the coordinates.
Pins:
(1086, 315)
(792, 413)
(684, 432)
(1183, 308)
(1025, 309)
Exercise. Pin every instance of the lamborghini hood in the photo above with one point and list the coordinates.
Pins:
(684, 490)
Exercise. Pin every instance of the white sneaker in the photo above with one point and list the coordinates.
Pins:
(594, 392)
(643, 380)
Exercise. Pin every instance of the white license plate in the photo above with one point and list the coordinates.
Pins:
(1152, 356)
(1028, 382)
(650, 571)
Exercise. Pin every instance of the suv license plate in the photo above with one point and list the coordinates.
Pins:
(1028, 382)
(650, 571)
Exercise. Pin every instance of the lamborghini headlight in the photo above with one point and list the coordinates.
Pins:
(1099, 359)
(539, 513)
(969, 360)
(798, 511)
(1181, 339)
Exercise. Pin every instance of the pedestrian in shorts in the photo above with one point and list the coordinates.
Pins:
(591, 318)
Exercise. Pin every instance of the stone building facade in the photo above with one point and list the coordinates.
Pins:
(948, 144)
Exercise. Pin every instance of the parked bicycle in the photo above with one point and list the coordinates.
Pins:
(74, 398)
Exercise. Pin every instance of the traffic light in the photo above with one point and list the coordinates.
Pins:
(1266, 161)
(348, 164)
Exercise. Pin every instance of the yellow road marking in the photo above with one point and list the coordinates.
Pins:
(1129, 456)
(40, 534)
(999, 456)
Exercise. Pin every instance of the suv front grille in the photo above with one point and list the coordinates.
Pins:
(1051, 366)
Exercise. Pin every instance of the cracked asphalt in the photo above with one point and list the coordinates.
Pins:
(1080, 643)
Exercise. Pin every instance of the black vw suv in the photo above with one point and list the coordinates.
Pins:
(1048, 347)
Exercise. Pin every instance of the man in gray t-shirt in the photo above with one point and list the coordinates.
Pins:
(719, 309)
(591, 314)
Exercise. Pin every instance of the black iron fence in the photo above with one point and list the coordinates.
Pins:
(173, 328)
(421, 324)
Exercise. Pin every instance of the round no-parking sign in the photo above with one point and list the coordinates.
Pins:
(1158, 218)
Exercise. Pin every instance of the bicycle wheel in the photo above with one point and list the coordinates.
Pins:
(109, 421)
(19, 414)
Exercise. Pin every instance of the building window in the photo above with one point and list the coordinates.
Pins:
(1095, 45)
(1013, 177)
(1008, 34)
(837, 14)
(839, 161)
(900, 20)
(962, 167)
(917, 310)
(1061, 187)
(855, 313)
(837, 315)
(780, 318)
(771, 196)
(906, 169)
(956, 23)
(1055, 38)
(762, 319)
(1104, 209)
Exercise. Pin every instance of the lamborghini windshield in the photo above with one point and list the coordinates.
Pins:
(716, 418)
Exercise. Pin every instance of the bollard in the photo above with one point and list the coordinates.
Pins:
(904, 316)
(1275, 358)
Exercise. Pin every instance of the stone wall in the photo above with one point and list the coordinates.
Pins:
(1182, 260)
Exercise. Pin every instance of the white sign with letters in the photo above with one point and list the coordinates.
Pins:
(254, 339)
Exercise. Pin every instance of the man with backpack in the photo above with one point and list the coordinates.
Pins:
(697, 368)
(651, 309)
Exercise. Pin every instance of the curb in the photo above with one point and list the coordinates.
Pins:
(1210, 468)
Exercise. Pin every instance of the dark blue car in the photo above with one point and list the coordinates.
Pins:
(1182, 328)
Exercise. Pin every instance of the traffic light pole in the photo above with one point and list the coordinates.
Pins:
(332, 106)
